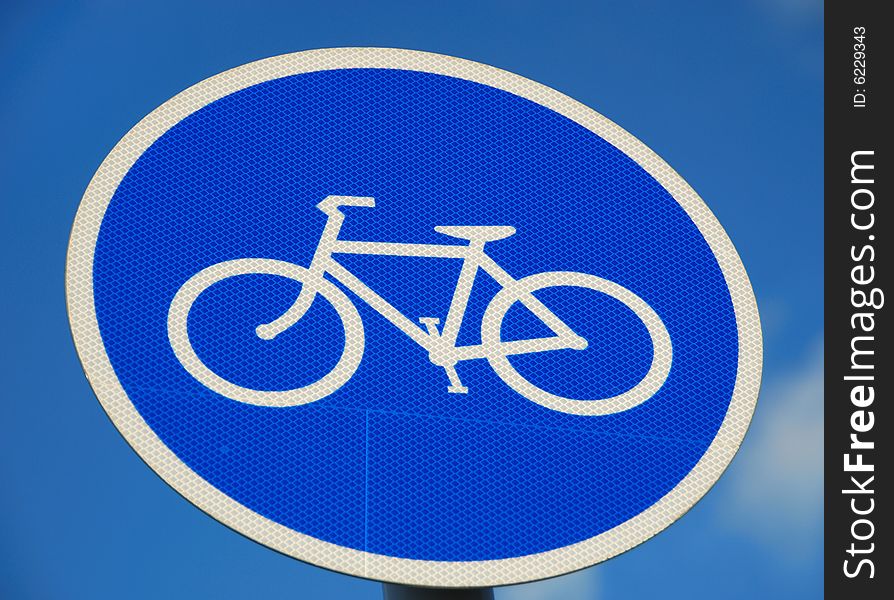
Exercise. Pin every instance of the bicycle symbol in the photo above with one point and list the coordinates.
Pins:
(441, 345)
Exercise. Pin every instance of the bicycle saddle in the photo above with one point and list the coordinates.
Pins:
(485, 233)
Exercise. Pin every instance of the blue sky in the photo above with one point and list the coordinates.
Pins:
(728, 93)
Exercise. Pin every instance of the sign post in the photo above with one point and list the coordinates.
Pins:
(393, 591)
(412, 318)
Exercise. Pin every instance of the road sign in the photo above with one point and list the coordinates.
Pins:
(412, 318)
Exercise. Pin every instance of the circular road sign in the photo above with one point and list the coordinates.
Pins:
(412, 318)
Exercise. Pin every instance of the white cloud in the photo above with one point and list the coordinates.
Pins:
(777, 494)
(582, 584)
(794, 10)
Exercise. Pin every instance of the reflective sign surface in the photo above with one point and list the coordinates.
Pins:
(412, 318)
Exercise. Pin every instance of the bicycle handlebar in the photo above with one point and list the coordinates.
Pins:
(331, 204)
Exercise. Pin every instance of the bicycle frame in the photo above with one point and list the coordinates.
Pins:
(441, 346)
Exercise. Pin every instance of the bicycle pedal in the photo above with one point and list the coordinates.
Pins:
(457, 389)
(431, 324)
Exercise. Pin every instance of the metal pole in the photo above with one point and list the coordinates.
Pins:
(393, 591)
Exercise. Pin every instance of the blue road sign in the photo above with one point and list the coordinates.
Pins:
(412, 318)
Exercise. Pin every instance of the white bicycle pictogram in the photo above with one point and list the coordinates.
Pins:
(441, 345)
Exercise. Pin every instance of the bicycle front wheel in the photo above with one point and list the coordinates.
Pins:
(491, 337)
(178, 334)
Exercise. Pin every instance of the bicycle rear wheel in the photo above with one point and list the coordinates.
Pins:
(491, 337)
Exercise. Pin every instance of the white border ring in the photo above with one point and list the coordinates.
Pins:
(85, 330)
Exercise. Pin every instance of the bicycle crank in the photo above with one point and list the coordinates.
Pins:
(456, 386)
